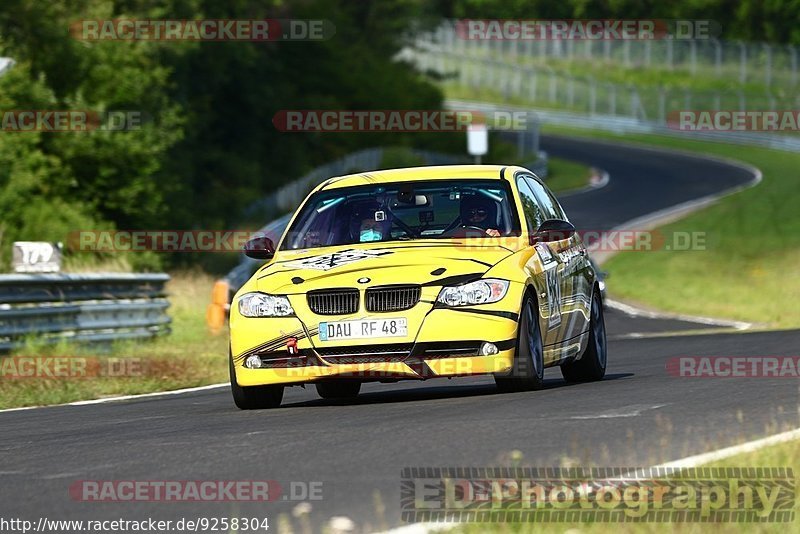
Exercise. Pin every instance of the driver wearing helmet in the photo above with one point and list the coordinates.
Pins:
(480, 212)
(369, 223)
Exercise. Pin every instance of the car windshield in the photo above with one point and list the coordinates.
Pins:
(405, 211)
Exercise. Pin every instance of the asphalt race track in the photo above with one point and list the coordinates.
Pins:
(639, 415)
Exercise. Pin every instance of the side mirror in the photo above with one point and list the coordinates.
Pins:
(552, 230)
(259, 248)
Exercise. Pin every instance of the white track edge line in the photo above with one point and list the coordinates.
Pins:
(123, 397)
(633, 311)
(734, 450)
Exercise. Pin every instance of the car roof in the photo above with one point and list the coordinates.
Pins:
(439, 172)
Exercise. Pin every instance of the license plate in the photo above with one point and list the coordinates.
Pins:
(363, 329)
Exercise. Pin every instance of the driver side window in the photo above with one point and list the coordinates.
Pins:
(530, 206)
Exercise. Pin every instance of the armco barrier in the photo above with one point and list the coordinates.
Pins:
(81, 307)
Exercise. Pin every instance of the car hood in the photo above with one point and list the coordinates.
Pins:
(423, 262)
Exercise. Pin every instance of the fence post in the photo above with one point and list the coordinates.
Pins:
(742, 62)
(626, 53)
(662, 105)
(571, 92)
(534, 85)
(768, 66)
(793, 62)
(669, 54)
(693, 56)
(612, 99)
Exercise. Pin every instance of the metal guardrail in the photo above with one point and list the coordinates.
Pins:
(81, 307)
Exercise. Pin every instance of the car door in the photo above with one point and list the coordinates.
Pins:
(548, 281)
(573, 268)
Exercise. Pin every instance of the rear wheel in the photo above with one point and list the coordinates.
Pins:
(592, 366)
(342, 389)
(527, 372)
(254, 397)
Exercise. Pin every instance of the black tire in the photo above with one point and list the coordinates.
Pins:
(527, 373)
(340, 389)
(592, 365)
(254, 397)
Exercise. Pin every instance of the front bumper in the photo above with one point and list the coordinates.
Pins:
(444, 345)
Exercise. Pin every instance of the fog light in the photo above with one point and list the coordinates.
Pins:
(253, 362)
(489, 349)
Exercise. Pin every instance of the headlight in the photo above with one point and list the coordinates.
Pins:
(480, 292)
(263, 305)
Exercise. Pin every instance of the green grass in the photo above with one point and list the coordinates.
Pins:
(564, 175)
(189, 356)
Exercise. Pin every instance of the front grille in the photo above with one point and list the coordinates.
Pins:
(403, 349)
(333, 301)
(392, 298)
(396, 352)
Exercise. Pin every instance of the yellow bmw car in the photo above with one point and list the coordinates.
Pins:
(415, 274)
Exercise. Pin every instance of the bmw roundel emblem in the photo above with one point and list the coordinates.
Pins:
(363, 280)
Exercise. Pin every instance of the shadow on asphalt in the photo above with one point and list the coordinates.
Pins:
(437, 392)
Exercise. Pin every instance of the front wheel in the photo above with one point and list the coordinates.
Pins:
(592, 365)
(527, 372)
(254, 397)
